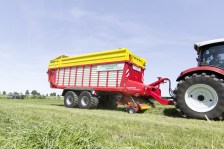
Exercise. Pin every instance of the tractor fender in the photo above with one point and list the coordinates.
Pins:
(214, 70)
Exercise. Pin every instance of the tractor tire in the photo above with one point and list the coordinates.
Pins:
(200, 96)
(108, 103)
(87, 101)
(71, 100)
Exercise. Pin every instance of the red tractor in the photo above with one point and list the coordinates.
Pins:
(200, 91)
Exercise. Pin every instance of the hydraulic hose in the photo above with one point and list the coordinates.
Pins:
(170, 89)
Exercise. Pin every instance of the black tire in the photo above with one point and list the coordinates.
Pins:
(87, 101)
(95, 102)
(71, 100)
(108, 102)
(187, 105)
(131, 110)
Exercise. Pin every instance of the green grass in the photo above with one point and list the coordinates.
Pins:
(46, 123)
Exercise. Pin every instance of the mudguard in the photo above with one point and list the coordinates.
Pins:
(214, 70)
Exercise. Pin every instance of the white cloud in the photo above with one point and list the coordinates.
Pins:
(5, 52)
(78, 13)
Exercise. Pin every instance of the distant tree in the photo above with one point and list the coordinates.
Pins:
(34, 93)
(4, 92)
(47, 95)
(16, 93)
(53, 94)
(27, 93)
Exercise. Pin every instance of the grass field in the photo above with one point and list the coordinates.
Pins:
(46, 123)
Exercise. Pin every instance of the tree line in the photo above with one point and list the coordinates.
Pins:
(32, 94)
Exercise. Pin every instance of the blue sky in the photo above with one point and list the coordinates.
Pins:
(163, 32)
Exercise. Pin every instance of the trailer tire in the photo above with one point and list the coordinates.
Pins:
(131, 110)
(200, 96)
(95, 102)
(71, 100)
(87, 101)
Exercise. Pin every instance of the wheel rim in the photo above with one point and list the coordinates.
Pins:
(131, 110)
(201, 98)
(69, 100)
(84, 100)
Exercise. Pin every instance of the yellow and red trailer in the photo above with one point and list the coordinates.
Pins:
(105, 79)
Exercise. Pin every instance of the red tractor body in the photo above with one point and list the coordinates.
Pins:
(200, 91)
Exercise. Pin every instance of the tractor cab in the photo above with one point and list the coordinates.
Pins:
(211, 53)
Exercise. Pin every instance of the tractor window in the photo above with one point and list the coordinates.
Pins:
(213, 56)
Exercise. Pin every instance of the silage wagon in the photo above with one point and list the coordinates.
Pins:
(104, 80)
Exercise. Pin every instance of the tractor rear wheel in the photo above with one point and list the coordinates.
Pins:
(200, 96)
(71, 100)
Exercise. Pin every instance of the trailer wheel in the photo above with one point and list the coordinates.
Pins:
(131, 110)
(87, 101)
(95, 102)
(200, 96)
(71, 100)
